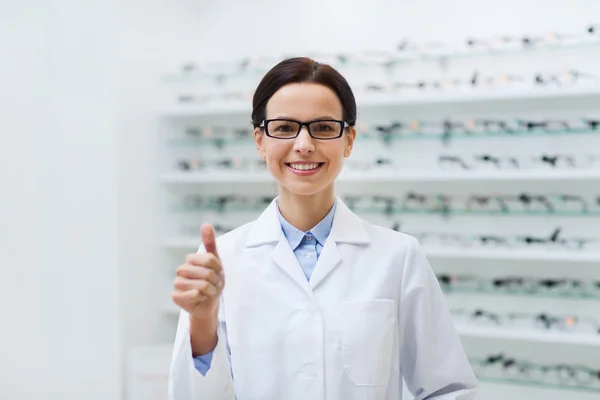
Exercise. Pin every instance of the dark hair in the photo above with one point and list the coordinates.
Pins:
(300, 70)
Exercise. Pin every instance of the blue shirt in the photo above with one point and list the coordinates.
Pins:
(307, 247)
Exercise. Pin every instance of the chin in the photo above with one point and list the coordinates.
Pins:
(305, 188)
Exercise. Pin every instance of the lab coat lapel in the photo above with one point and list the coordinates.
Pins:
(347, 228)
(266, 231)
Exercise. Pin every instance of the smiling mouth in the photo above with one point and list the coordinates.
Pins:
(304, 167)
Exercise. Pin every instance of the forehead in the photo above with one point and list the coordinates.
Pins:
(304, 101)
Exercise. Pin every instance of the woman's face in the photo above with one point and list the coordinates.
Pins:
(292, 161)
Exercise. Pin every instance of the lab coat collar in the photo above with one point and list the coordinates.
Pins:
(347, 227)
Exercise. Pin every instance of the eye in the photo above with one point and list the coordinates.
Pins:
(284, 128)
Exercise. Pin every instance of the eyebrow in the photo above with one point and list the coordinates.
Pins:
(313, 119)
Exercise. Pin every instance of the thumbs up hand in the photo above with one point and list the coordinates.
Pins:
(200, 279)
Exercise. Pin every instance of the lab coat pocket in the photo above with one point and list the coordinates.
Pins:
(368, 340)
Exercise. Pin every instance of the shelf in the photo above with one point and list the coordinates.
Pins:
(215, 177)
(404, 211)
(517, 293)
(387, 100)
(223, 142)
(512, 255)
(537, 336)
(386, 175)
(396, 58)
(192, 243)
(541, 385)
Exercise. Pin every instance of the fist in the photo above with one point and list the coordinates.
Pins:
(200, 280)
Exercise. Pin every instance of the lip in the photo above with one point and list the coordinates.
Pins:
(305, 173)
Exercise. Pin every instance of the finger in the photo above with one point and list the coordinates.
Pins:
(204, 287)
(199, 272)
(208, 239)
(207, 260)
(183, 298)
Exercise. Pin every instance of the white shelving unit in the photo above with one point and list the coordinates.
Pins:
(416, 171)
(393, 100)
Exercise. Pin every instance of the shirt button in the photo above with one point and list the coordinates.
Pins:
(308, 238)
(309, 255)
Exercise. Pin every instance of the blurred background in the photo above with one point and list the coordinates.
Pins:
(125, 125)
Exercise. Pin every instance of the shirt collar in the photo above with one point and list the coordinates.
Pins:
(320, 231)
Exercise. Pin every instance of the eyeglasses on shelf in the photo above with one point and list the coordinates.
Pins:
(541, 321)
(555, 287)
(568, 375)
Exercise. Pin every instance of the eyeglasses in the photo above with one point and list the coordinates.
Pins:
(526, 371)
(552, 241)
(546, 321)
(551, 160)
(321, 129)
(519, 285)
(221, 164)
(225, 203)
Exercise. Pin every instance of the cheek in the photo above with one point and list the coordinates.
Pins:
(275, 152)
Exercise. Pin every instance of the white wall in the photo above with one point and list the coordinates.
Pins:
(59, 272)
(78, 193)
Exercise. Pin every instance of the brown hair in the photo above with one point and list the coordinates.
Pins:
(300, 70)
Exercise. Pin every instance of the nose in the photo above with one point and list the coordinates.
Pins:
(304, 143)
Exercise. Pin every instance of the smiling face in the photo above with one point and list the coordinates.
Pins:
(304, 166)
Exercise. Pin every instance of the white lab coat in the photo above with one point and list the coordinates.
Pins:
(371, 314)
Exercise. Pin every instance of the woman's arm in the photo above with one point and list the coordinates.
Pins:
(433, 361)
(186, 382)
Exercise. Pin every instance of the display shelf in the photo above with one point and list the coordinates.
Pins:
(192, 243)
(512, 255)
(513, 293)
(376, 136)
(393, 59)
(387, 100)
(387, 175)
(529, 335)
(508, 381)
(406, 211)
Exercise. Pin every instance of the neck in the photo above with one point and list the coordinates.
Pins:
(305, 211)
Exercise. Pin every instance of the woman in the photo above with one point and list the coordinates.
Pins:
(309, 301)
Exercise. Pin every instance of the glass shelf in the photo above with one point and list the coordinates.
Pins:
(393, 60)
(399, 211)
(223, 142)
(519, 382)
(522, 293)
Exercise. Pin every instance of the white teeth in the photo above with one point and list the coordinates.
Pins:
(304, 167)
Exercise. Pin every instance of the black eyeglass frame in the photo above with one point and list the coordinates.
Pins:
(343, 125)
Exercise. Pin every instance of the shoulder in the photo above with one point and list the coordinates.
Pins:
(387, 236)
(235, 238)
(401, 247)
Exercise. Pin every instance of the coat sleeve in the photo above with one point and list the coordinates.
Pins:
(433, 361)
(185, 381)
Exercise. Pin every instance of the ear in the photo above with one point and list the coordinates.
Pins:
(259, 141)
(349, 138)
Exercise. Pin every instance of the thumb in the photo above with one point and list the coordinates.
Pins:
(208, 239)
